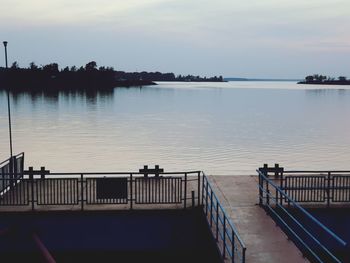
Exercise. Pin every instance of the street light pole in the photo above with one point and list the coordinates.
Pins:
(8, 101)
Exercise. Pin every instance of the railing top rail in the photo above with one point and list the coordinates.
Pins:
(8, 159)
(115, 173)
(20, 154)
(317, 171)
(331, 233)
(5, 162)
(224, 211)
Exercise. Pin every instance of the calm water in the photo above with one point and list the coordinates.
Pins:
(221, 128)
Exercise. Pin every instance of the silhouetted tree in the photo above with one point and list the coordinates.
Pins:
(91, 66)
(14, 65)
(52, 68)
(309, 78)
(33, 66)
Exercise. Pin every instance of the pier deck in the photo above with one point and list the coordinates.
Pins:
(238, 195)
(265, 241)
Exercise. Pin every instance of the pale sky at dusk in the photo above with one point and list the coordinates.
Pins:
(251, 38)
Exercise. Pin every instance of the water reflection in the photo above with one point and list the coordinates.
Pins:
(53, 97)
(326, 92)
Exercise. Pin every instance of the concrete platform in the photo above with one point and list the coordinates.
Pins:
(265, 241)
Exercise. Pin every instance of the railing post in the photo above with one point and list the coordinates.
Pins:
(267, 193)
(82, 191)
(281, 187)
(11, 166)
(260, 190)
(185, 192)
(206, 198)
(192, 196)
(265, 170)
(217, 220)
(277, 166)
(204, 178)
(224, 239)
(131, 192)
(329, 189)
(233, 246)
(211, 208)
(31, 178)
(42, 172)
(22, 165)
(14, 173)
(243, 256)
(199, 189)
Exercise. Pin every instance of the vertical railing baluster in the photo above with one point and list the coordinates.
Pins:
(329, 189)
(131, 192)
(31, 178)
(199, 189)
(217, 221)
(192, 196)
(206, 198)
(224, 238)
(82, 191)
(185, 192)
(260, 189)
(267, 193)
(203, 178)
(211, 208)
(281, 186)
(233, 246)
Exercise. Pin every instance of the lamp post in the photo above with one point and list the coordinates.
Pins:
(8, 101)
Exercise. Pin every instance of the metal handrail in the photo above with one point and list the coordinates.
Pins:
(308, 215)
(8, 159)
(227, 228)
(116, 173)
(316, 171)
(182, 194)
(12, 176)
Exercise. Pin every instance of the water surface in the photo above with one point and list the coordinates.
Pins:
(221, 128)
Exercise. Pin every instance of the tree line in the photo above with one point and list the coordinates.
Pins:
(90, 76)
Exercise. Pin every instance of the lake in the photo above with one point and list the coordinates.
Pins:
(221, 128)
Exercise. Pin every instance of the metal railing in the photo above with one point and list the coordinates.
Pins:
(313, 238)
(11, 170)
(317, 186)
(312, 187)
(123, 190)
(229, 242)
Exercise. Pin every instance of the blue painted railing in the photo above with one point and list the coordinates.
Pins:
(226, 235)
(11, 170)
(314, 238)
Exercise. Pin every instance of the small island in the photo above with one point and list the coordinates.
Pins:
(324, 80)
(90, 77)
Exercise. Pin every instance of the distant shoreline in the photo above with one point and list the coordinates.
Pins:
(334, 82)
(247, 79)
(317, 79)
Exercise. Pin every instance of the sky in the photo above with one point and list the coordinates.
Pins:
(251, 38)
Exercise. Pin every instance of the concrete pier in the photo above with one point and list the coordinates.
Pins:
(265, 241)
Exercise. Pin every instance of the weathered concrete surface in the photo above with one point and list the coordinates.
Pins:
(265, 241)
